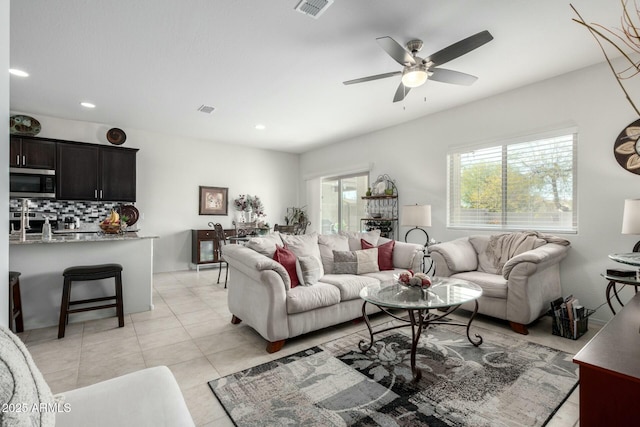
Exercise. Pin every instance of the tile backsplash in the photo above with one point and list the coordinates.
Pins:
(88, 212)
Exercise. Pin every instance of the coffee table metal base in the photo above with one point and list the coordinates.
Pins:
(419, 319)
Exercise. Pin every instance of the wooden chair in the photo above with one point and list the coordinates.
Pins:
(246, 228)
(284, 229)
(220, 240)
(301, 227)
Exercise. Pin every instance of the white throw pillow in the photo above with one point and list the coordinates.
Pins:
(304, 245)
(329, 243)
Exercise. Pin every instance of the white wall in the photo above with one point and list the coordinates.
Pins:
(170, 170)
(415, 155)
(4, 158)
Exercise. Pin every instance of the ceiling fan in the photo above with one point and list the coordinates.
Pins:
(417, 70)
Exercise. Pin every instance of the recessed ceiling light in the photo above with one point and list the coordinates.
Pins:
(18, 73)
(88, 105)
(261, 127)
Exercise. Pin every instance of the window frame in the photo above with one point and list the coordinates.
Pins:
(454, 194)
(339, 179)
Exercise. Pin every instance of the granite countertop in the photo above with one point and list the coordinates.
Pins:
(71, 237)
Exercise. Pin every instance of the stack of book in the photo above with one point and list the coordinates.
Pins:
(570, 319)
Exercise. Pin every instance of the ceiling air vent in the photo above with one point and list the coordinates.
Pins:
(313, 8)
(206, 109)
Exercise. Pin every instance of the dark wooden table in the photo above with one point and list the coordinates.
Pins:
(610, 371)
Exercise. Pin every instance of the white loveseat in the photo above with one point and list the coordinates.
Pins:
(150, 397)
(519, 273)
(260, 292)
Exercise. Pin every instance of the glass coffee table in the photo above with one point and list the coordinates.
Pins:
(445, 295)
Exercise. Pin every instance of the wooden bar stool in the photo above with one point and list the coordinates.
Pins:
(87, 273)
(15, 303)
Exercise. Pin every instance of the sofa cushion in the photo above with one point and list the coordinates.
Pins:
(480, 244)
(308, 269)
(328, 243)
(349, 285)
(304, 245)
(459, 254)
(305, 298)
(288, 260)
(22, 385)
(355, 236)
(266, 245)
(493, 285)
(385, 277)
(385, 253)
(355, 262)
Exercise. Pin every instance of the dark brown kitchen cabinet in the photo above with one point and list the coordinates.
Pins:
(31, 152)
(94, 172)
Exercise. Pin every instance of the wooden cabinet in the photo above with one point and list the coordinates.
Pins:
(94, 172)
(610, 372)
(117, 172)
(204, 246)
(31, 152)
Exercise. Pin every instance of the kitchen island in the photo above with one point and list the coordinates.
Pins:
(42, 262)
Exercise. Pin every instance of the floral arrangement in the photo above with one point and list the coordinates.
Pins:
(241, 203)
(414, 279)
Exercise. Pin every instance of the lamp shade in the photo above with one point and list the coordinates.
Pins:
(414, 76)
(631, 217)
(416, 216)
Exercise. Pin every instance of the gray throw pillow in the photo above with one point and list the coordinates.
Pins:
(308, 270)
(355, 262)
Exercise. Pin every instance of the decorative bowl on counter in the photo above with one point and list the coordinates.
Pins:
(111, 228)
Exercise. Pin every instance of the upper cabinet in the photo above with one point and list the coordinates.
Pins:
(34, 153)
(117, 173)
(95, 172)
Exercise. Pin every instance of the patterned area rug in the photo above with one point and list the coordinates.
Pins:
(504, 382)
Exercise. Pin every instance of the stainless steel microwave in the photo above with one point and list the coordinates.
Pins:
(32, 183)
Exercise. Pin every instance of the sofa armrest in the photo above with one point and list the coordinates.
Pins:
(549, 254)
(252, 263)
(150, 397)
(457, 255)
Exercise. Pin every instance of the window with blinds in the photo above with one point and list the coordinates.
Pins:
(528, 185)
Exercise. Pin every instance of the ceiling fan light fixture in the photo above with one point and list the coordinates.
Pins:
(415, 75)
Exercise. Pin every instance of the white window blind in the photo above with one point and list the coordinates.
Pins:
(528, 185)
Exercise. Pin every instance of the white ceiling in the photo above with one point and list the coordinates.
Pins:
(149, 64)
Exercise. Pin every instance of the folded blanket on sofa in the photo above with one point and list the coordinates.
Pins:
(503, 247)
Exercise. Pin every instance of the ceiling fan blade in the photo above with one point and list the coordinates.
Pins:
(376, 77)
(396, 51)
(449, 76)
(401, 92)
(460, 48)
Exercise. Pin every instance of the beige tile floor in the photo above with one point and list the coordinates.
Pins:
(190, 331)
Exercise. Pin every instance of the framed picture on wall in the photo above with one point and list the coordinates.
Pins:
(213, 200)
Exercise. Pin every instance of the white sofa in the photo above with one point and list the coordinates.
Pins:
(519, 273)
(260, 292)
(150, 397)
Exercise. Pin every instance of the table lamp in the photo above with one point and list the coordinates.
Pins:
(416, 216)
(631, 219)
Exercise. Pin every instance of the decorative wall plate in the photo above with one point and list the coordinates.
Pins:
(116, 136)
(626, 148)
(23, 125)
(131, 212)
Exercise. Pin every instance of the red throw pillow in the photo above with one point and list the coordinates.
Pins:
(385, 253)
(288, 260)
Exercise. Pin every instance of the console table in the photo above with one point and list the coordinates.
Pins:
(610, 372)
